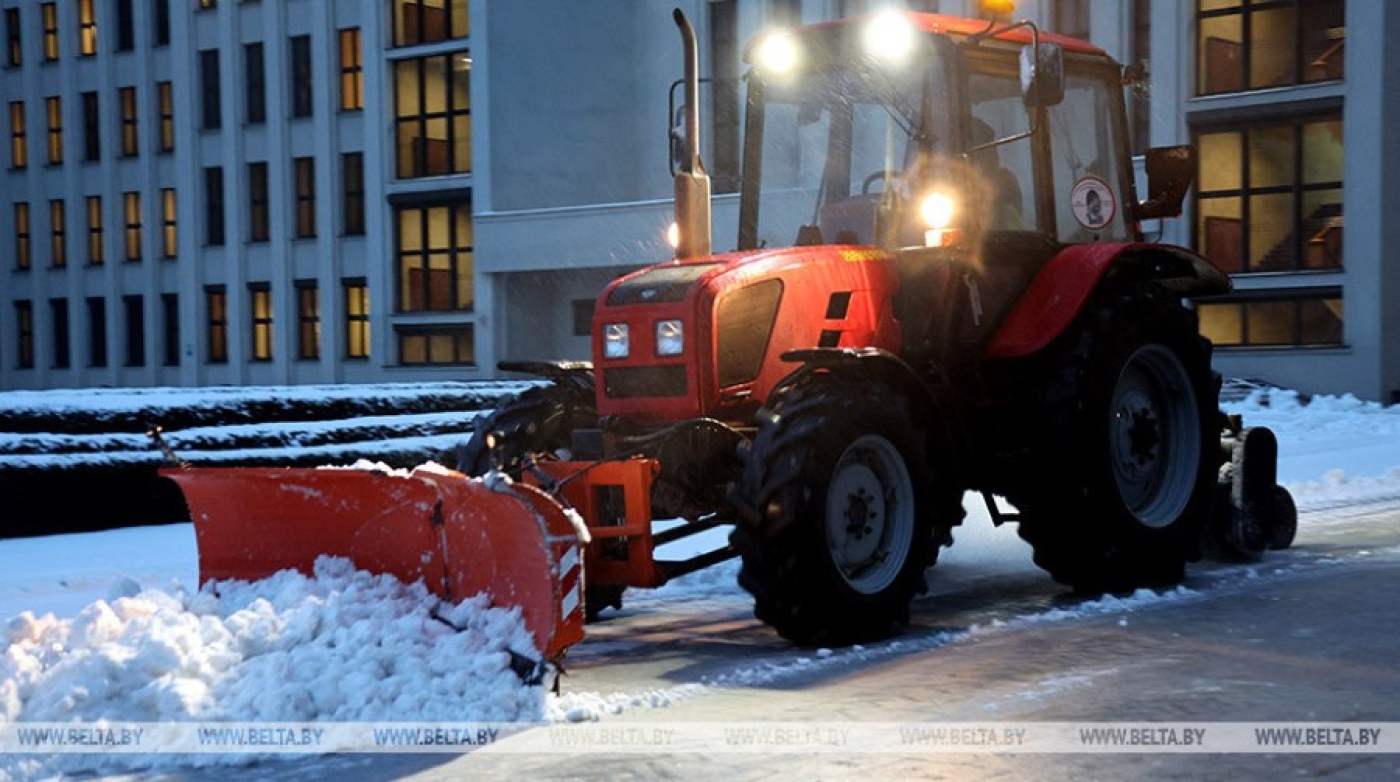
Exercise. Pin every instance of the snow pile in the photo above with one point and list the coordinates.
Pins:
(342, 646)
(1333, 450)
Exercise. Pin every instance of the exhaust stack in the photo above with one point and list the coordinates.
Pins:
(692, 183)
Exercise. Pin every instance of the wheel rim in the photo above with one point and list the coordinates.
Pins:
(870, 514)
(1155, 436)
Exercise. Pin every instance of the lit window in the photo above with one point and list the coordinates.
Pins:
(130, 138)
(429, 21)
(23, 258)
(1293, 318)
(356, 319)
(433, 115)
(19, 142)
(216, 323)
(169, 232)
(260, 299)
(96, 254)
(54, 110)
(1254, 45)
(87, 28)
(58, 235)
(435, 258)
(352, 71)
(308, 320)
(1281, 180)
(49, 13)
(132, 208)
(165, 108)
(437, 345)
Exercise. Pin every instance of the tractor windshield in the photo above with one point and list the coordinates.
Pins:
(835, 140)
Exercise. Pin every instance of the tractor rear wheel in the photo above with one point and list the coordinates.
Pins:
(1124, 469)
(843, 511)
(538, 421)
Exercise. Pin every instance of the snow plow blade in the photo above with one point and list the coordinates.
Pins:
(459, 536)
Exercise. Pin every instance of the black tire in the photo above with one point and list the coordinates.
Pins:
(1124, 467)
(828, 450)
(539, 421)
(1285, 526)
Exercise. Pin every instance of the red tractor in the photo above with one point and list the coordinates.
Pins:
(940, 285)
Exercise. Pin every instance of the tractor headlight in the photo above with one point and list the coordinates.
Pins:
(617, 342)
(937, 210)
(670, 338)
(777, 53)
(890, 36)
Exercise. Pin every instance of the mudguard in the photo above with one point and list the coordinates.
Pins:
(1058, 293)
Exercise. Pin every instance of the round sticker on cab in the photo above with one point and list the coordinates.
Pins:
(1093, 203)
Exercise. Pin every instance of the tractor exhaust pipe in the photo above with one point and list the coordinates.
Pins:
(692, 183)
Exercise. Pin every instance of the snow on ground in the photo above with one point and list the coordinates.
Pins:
(109, 625)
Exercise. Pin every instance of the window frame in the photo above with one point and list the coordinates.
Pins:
(169, 223)
(216, 323)
(304, 182)
(96, 250)
(53, 112)
(215, 229)
(357, 319)
(261, 323)
(259, 202)
(352, 69)
(301, 92)
(58, 234)
(254, 84)
(19, 136)
(308, 320)
(132, 226)
(130, 121)
(1297, 189)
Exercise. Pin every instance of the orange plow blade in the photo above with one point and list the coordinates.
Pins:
(459, 536)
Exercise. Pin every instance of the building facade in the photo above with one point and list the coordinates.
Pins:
(204, 192)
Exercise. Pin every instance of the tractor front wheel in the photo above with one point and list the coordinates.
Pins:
(843, 511)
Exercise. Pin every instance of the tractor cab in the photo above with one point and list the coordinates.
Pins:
(971, 152)
(911, 131)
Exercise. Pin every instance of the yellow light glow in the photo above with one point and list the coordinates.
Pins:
(889, 36)
(778, 53)
(937, 210)
(673, 235)
(998, 7)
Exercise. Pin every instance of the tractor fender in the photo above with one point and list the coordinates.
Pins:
(864, 364)
(1058, 293)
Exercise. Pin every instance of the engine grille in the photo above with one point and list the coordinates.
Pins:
(635, 382)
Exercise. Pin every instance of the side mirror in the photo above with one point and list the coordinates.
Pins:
(1043, 75)
(1170, 172)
